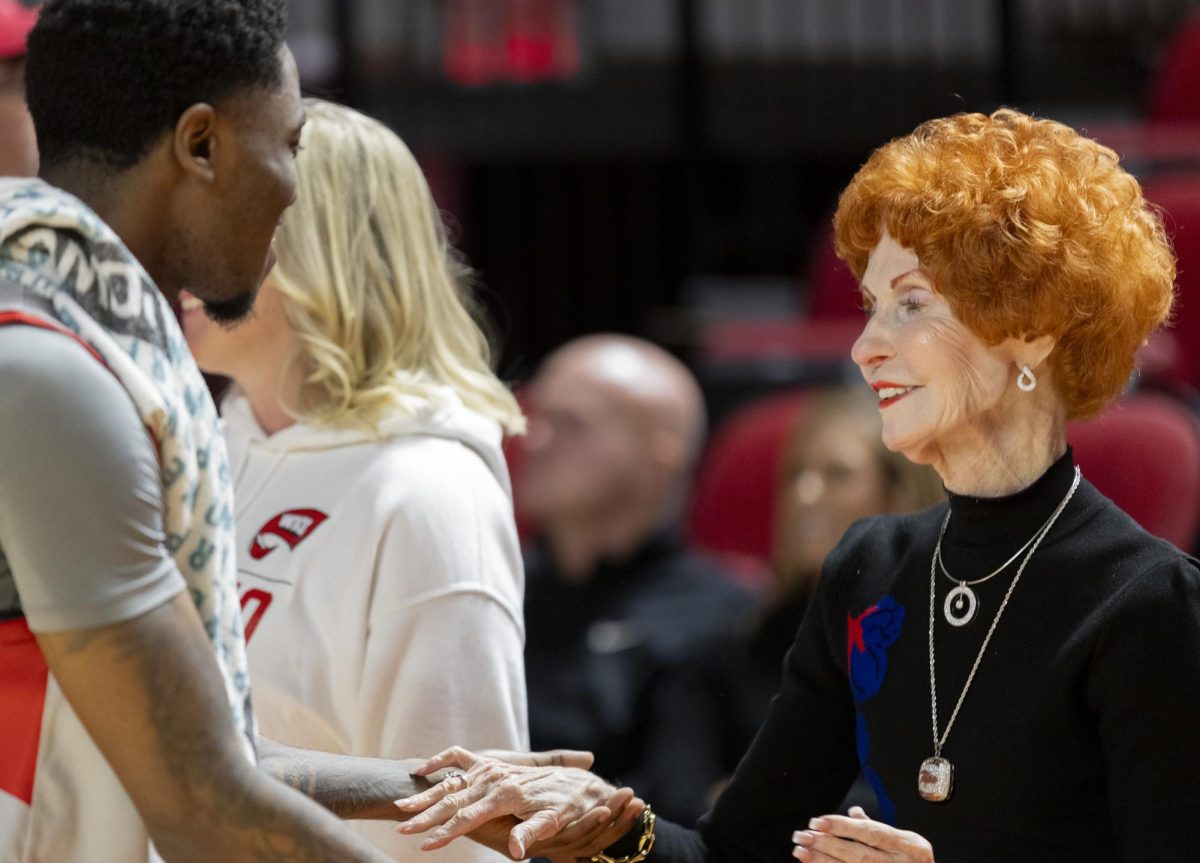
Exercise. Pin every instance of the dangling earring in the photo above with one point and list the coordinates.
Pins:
(1026, 380)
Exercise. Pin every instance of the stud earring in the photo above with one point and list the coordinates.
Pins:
(1026, 380)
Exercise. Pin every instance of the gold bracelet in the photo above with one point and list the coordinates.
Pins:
(645, 843)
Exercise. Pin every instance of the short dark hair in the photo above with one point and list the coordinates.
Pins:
(107, 78)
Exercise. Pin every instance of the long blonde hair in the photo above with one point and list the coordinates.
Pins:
(380, 301)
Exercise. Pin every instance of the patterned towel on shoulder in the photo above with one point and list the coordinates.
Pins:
(58, 250)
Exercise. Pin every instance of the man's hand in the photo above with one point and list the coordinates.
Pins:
(581, 839)
(559, 810)
(550, 758)
(594, 832)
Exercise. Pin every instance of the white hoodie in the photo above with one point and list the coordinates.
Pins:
(381, 586)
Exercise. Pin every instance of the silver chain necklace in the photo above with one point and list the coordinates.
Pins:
(961, 602)
(935, 780)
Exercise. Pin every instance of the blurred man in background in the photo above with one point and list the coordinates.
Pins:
(612, 596)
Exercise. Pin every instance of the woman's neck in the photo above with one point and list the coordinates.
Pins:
(270, 389)
(1001, 458)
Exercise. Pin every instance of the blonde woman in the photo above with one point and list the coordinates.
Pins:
(381, 579)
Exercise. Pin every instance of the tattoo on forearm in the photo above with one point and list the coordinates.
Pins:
(248, 811)
(349, 787)
(300, 776)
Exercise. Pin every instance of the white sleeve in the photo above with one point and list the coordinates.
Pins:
(444, 660)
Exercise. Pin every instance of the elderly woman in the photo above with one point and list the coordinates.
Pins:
(1020, 667)
(380, 571)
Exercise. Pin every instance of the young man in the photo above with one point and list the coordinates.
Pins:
(168, 130)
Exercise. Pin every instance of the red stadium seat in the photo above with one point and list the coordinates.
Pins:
(514, 454)
(1143, 453)
(832, 289)
(828, 339)
(825, 332)
(1173, 90)
(733, 502)
(1179, 197)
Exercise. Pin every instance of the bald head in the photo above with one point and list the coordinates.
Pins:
(617, 422)
(638, 377)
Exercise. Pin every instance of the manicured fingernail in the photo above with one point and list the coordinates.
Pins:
(803, 837)
(801, 853)
(817, 824)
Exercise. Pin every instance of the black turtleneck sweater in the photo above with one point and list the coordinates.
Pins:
(1079, 739)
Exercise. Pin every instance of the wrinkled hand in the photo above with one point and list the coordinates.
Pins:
(580, 840)
(591, 834)
(858, 839)
(562, 810)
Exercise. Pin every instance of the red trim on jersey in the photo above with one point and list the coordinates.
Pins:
(17, 317)
(23, 676)
(23, 671)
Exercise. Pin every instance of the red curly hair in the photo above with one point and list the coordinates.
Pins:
(1027, 228)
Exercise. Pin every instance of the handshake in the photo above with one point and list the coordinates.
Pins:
(543, 804)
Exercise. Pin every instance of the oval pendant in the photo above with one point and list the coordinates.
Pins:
(960, 606)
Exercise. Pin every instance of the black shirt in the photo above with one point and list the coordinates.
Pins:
(707, 710)
(594, 649)
(1080, 737)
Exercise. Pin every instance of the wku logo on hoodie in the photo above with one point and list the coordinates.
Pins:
(291, 527)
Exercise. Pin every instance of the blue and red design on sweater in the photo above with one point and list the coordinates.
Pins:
(868, 636)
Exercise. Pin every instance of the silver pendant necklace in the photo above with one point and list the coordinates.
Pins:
(935, 779)
(961, 603)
